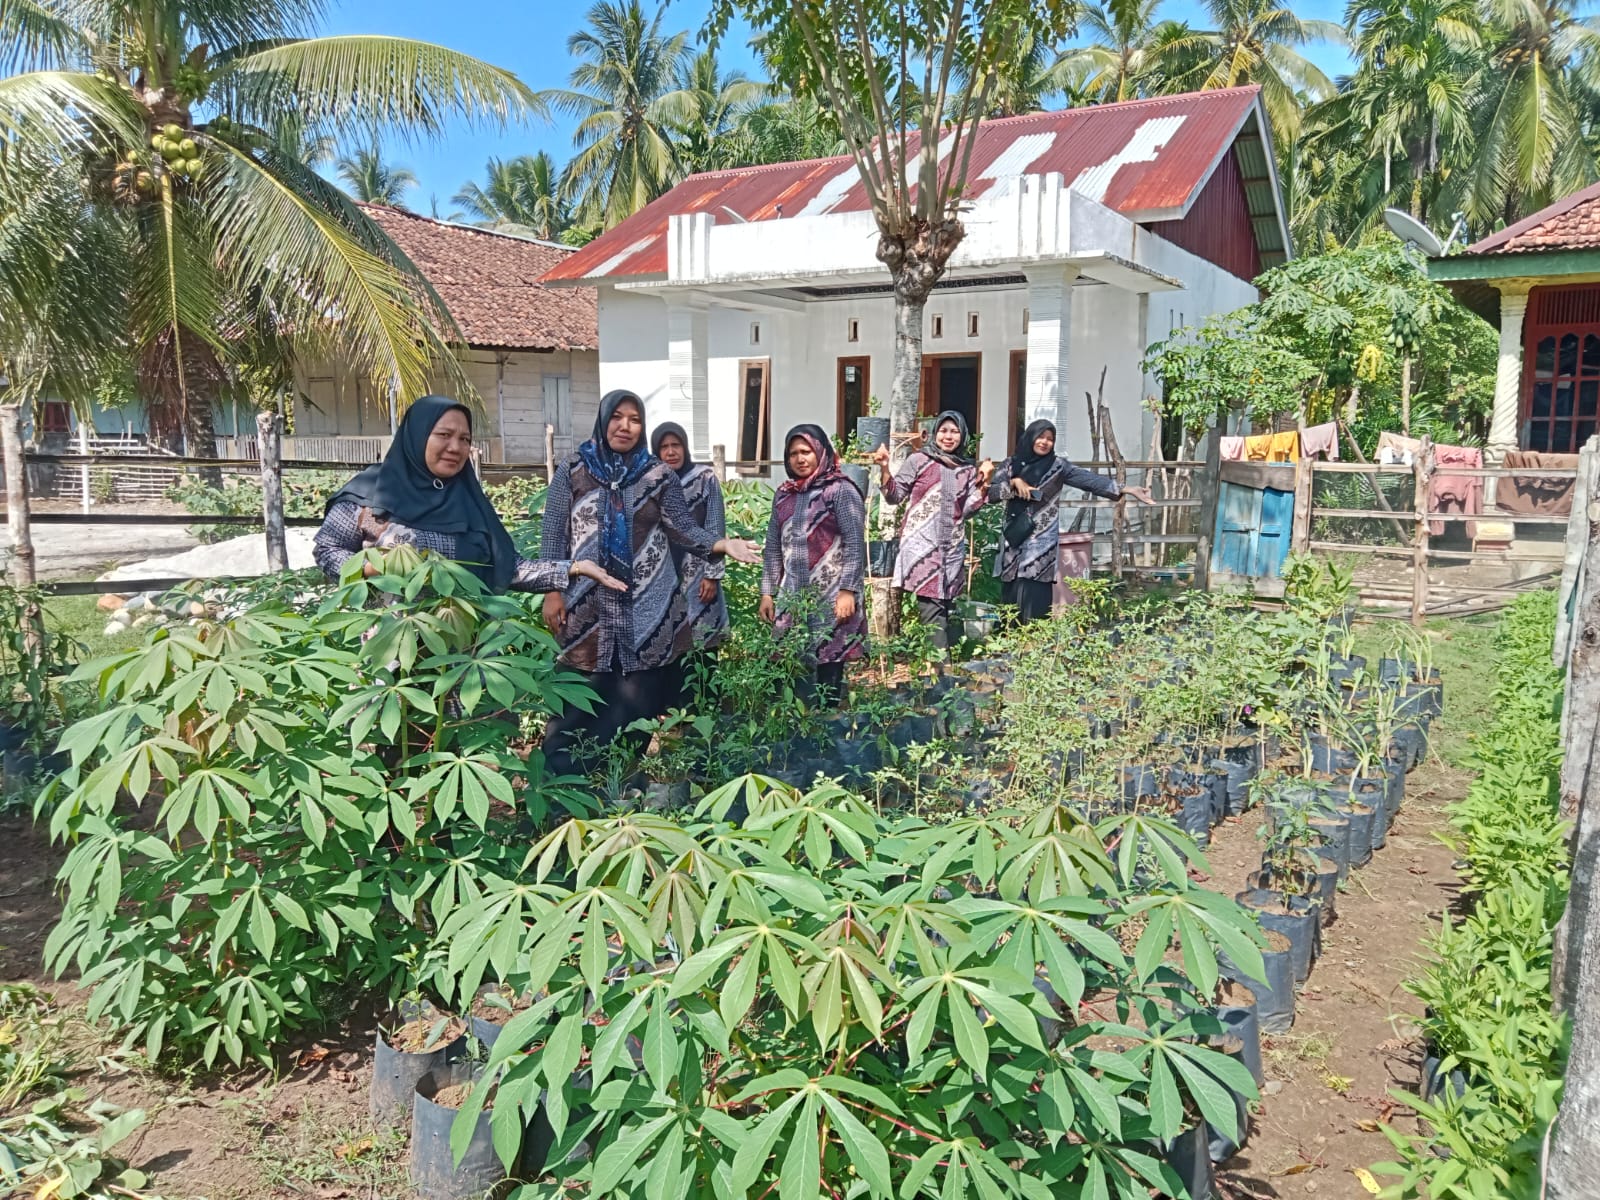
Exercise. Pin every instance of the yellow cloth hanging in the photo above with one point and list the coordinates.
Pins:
(1285, 447)
(1258, 448)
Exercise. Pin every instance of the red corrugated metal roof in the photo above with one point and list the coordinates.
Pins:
(1571, 223)
(1147, 159)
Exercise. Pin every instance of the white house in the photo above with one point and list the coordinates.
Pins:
(743, 302)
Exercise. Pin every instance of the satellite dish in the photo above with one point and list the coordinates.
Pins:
(1412, 231)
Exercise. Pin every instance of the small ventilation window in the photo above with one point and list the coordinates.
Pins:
(972, 324)
(852, 330)
(755, 333)
(936, 327)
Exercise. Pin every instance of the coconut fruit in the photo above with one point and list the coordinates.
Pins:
(193, 166)
(188, 148)
(173, 132)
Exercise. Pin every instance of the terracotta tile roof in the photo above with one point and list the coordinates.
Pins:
(1147, 159)
(490, 283)
(1571, 223)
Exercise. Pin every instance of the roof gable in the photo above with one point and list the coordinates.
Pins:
(490, 282)
(1146, 159)
(1571, 223)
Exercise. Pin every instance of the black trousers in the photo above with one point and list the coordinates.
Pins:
(1033, 598)
(830, 684)
(944, 630)
(575, 740)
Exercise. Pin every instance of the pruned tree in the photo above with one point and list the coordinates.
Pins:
(908, 81)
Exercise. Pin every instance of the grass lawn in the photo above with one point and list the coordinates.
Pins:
(1463, 650)
(79, 619)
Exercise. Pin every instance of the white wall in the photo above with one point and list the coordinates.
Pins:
(804, 349)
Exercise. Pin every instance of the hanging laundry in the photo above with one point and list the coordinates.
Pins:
(1321, 439)
(1395, 449)
(1455, 493)
(1285, 447)
(1544, 495)
(1232, 449)
(1258, 448)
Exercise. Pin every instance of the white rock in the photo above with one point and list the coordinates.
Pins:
(143, 619)
(114, 629)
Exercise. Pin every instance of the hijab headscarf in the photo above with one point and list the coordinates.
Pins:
(959, 457)
(827, 469)
(672, 429)
(401, 488)
(1028, 465)
(616, 471)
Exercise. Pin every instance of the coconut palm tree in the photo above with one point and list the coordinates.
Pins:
(718, 100)
(1257, 41)
(520, 195)
(1129, 53)
(372, 181)
(788, 131)
(1535, 114)
(165, 121)
(624, 93)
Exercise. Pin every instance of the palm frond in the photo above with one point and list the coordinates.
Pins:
(368, 83)
(35, 36)
(69, 111)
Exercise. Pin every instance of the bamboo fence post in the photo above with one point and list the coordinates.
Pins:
(549, 454)
(1300, 539)
(1421, 470)
(270, 451)
(22, 557)
(83, 474)
(1119, 513)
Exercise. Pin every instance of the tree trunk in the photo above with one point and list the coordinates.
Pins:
(270, 450)
(1574, 1162)
(905, 392)
(1405, 396)
(22, 559)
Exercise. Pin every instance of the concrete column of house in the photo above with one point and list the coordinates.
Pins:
(1507, 413)
(1049, 345)
(688, 394)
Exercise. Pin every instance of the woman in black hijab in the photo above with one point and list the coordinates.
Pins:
(425, 494)
(1031, 482)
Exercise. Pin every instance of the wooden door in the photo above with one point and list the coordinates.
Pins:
(854, 390)
(1255, 521)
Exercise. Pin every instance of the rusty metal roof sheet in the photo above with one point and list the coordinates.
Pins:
(1147, 159)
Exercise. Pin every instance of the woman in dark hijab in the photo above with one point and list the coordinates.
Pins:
(816, 542)
(615, 502)
(425, 494)
(944, 487)
(1031, 482)
(699, 580)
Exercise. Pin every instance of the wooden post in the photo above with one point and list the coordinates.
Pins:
(1580, 716)
(1119, 513)
(1572, 555)
(270, 451)
(83, 473)
(1421, 469)
(1300, 538)
(22, 558)
(1573, 1163)
(1380, 500)
(719, 462)
(549, 454)
(1207, 489)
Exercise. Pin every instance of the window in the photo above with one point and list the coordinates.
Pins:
(1561, 379)
(755, 333)
(936, 326)
(1019, 397)
(852, 330)
(558, 403)
(972, 324)
(855, 385)
(53, 417)
(755, 401)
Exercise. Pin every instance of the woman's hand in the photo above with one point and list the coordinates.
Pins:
(555, 612)
(708, 591)
(845, 606)
(369, 569)
(1022, 488)
(1141, 494)
(880, 456)
(986, 470)
(741, 550)
(588, 570)
(766, 610)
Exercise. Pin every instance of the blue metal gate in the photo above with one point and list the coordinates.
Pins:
(1255, 521)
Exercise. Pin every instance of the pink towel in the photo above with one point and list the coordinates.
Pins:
(1232, 449)
(1455, 493)
(1321, 439)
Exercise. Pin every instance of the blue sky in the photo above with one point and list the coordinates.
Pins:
(530, 39)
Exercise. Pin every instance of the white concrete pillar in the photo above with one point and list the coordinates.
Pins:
(688, 394)
(1507, 413)
(1049, 345)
